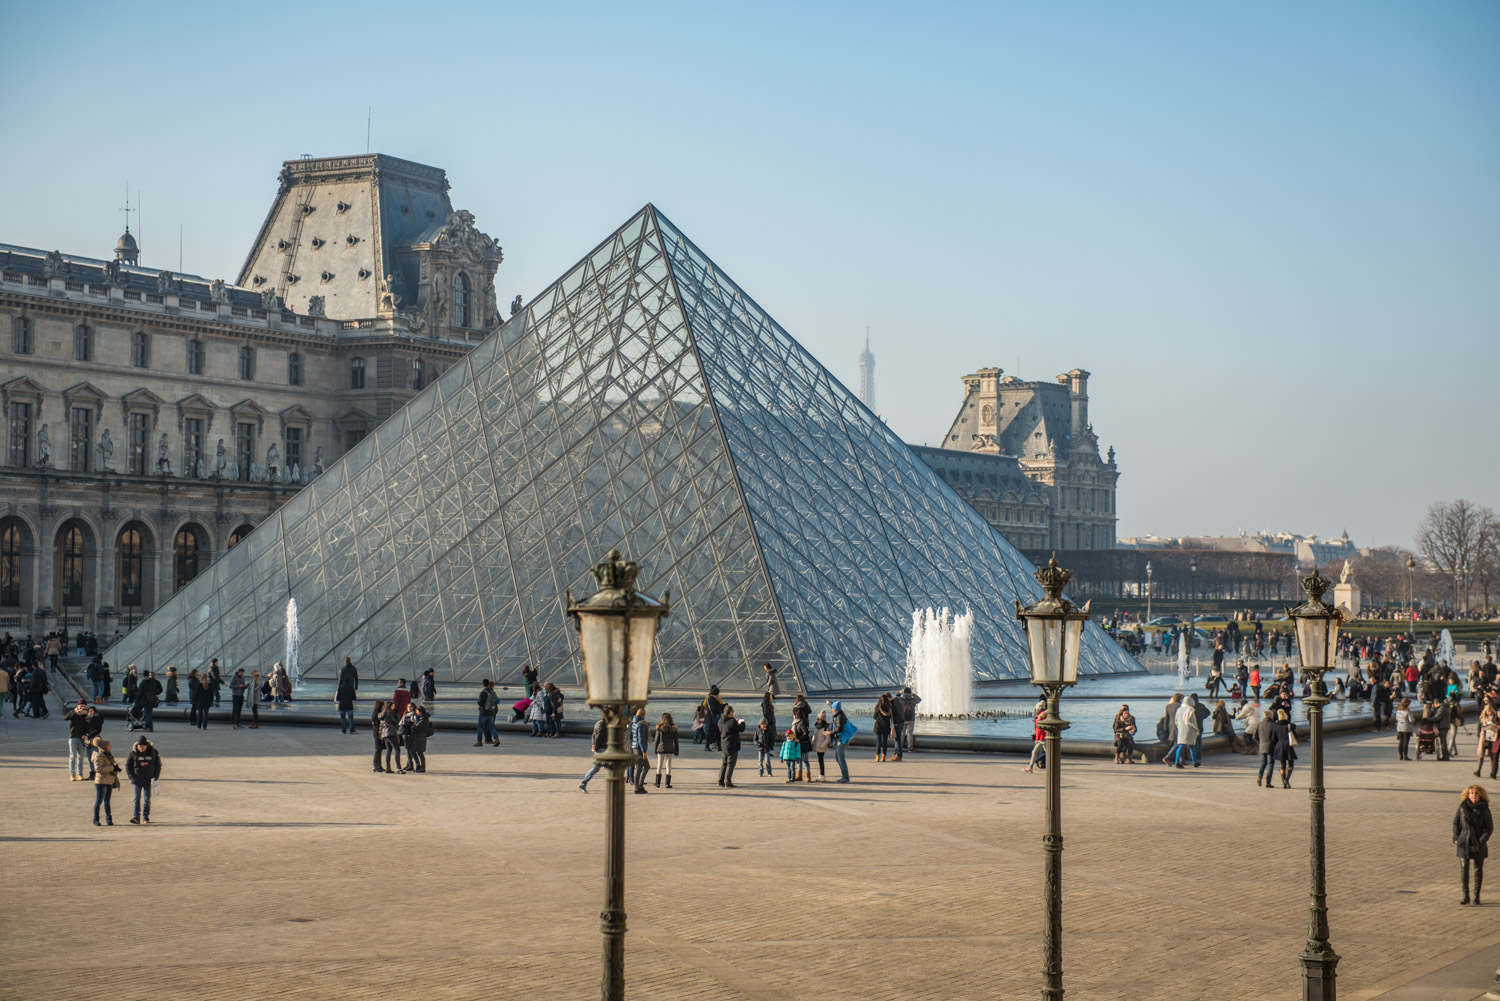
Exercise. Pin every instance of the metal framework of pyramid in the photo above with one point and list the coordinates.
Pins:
(643, 403)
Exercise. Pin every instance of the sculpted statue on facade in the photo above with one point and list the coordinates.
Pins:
(515, 305)
(221, 459)
(273, 462)
(318, 461)
(388, 297)
(106, 451)
(163, 461)
(1344, 573)
(43, 447)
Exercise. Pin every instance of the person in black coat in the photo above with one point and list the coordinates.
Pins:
(715, 707)
(729, 736)
(348, 686)
(1282, 751)
(1472, 827)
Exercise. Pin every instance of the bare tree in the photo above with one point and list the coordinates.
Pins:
(1454, 537)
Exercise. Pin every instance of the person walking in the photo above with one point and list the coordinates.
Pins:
(1264, 734)
(882, 726)
(597, 743)
(1472, 827)
(841, 732)
(194, 686)
(1189, 730)
(344, 695)
(215, 679)
(400, 699)
(1038, 756)
(53, 650)
(204, 700)
(1489, 740)
(666, 748)
(536, 712)
(78, 749)
(142, 767)
(1255, 680)
(489, 705)
(106, 780)
(1403, 730)
(174, 694)
(640, 739)
(729, 729)
(128, 685)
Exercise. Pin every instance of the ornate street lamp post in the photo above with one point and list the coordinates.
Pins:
(617, 633)
(1054, 630)
(1411, 608)
(1317, 624)
(1148, 591)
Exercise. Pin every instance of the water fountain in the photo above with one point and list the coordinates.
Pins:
(1183, 644)
(293, 645)
(937, 662)
(1446, 654)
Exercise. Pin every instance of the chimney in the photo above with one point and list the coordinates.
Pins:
(1078, 393)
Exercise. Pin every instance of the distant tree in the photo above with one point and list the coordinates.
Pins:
(1457, 538)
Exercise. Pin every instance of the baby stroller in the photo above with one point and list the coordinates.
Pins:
(135, 717)
(1426, 739)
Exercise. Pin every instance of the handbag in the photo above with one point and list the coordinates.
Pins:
(1291, 737)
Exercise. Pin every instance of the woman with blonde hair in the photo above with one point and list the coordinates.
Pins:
(1489, 740)
(1472, 826)
(107, 780)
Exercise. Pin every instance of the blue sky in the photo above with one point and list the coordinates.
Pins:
(1248, 221)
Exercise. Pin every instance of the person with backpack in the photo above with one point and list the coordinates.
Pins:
(489, 705)
(666, 748)
(842, 731)
(143, 767)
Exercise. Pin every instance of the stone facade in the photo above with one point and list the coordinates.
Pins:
(153, 418)
(1044, 484)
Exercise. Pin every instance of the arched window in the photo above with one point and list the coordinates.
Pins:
(140, 349)
(247, 362)
(71, 577)
(461, 299)
(83, 343)
(130, 556)
(185, 552)
(10, 565)
(357, 373)
(294, 369)
(238, 535)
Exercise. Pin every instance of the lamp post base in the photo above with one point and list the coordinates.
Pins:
(1319, 976)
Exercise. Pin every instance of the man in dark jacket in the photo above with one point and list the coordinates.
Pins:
(909, 702)
(148, 697)
(344, 697)
(729, 737)
(715, 707)
(215, 679)
(39, 687)
(596, 744)
(489, 705)
(840, 721)
(143, 767)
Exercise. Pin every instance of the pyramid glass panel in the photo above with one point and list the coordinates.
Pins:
(643, 402)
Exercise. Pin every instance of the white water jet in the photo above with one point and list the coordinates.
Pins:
(293, 645)
(1184, 642)
(1446, 655)
(938, 667)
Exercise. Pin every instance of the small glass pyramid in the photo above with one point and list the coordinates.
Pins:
(642, 403)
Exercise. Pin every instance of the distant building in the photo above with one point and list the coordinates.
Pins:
(153, 418)
(1306, 550)
(1042, 482)
(867, 374)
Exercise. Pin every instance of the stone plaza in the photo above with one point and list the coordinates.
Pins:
(279, 866)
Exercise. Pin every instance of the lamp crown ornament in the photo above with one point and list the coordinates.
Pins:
(1315, 586)
(614, 573)
(1053, 578)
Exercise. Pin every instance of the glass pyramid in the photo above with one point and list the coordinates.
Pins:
(642, 403)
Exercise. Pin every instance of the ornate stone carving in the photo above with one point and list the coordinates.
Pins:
(219, 292)
(318, 460)
(111, 275)
(388, 296)
(273, 462)
(53, 265)
(163, 461)
(315, 305)
(459, 236)
(270, 300)
(163, 282)
(221, 459)
(43, 448)
(106, 451)
(515, 305)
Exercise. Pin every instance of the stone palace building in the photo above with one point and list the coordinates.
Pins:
(1025, 455)
(153, 418)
